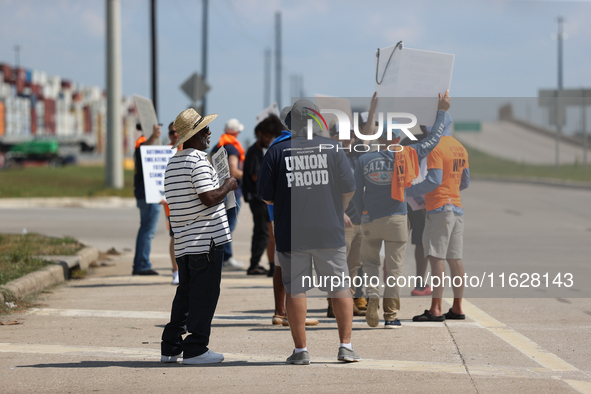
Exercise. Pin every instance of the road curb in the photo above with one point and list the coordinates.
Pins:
(50, 275)
(68, 202)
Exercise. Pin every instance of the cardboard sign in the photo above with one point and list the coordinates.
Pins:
(413, 79)
(272, 109)
(220, 163)
(154, 161)
(147, 114)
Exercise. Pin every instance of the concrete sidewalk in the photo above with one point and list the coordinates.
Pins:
(103, 334)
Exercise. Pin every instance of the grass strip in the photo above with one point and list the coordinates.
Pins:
(17, 253)
(68, 181)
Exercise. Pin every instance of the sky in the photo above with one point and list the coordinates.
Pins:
(502, 48)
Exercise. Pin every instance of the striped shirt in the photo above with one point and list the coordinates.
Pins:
(187, 175)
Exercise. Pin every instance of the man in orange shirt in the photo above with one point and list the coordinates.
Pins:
(236, 155)
(149, 213)
(447, 175)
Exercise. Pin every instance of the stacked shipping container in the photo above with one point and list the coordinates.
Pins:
(33, 104)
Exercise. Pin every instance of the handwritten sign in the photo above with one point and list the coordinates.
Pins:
(411, 81)
(154, 161)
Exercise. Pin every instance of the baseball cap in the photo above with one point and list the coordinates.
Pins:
(234, 124)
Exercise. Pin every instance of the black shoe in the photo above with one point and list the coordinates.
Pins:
(454, 316)
(427, 316)
(271, 270)
(258, 270)
(147, 272)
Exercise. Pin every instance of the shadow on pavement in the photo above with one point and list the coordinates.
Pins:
(121, 285)
(150, 364)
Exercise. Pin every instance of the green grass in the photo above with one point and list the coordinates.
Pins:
(68, 181)
(17, 251)
(484, 164)
(75, 181)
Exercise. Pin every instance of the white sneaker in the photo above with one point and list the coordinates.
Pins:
(175, 277)
(208, 357)
(233, 264)
(170, 359)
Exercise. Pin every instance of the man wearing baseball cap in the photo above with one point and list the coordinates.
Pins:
(309, 189)
(236, 156)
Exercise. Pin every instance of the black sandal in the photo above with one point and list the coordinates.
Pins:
(258, 270)
(427, 316)
(454, 316)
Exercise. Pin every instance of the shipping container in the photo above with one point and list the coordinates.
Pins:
(40, 111)
(33, 121)
(4, 90)
(87, 120)
(2, 119)
(7, 71)
(21, 79)
(49, 116)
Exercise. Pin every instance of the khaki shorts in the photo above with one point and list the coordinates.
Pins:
(298, 276)
(443, 236)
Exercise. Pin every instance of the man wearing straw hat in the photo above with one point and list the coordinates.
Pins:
(200, 226)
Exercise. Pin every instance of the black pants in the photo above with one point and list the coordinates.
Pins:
(194, 304)
(260, 232)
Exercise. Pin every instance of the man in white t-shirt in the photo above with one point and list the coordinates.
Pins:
(200, 226)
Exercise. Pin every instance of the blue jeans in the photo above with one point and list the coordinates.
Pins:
(194, 304)
(232, 214)
(149, 215)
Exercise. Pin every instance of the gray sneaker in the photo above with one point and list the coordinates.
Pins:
(301, 358)
(348, 355)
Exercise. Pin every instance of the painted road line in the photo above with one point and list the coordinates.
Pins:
(166, 280)
(580, 385)
(519, 341)
(129, 314)
(389, 365)
(223, 317)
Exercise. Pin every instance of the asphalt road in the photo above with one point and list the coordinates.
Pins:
(102, 333)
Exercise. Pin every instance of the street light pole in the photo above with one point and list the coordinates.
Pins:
(114, 151)
(204, 55)
(154, 60)
(17, 57)
(558, 107)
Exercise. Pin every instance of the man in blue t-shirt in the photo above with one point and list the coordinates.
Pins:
(384, 219)
(309, 187)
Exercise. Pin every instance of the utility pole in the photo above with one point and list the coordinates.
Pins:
(17, 57)
(584, 126)
(559, 38)
(114, 152)
(154, 60)
(204, 54)
(278, 58)
(267, 86)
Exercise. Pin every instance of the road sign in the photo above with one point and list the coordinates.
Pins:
(195, 87)
(568, 97)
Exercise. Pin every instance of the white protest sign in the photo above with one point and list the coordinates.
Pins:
(415, 78)
(329, 102)
(220, 163)
(154, 160)
(148, 119)
(272, 109)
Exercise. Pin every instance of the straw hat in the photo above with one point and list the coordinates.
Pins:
(188, 123)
